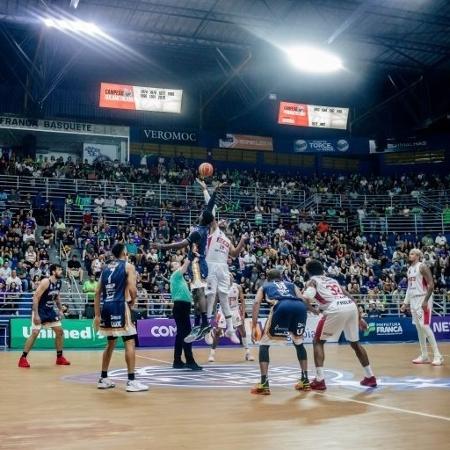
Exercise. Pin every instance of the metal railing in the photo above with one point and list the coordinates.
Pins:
(160, 305)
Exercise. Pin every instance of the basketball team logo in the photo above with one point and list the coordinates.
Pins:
(234, 376)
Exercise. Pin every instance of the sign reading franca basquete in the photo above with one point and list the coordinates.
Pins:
(62, 126)
(77, 334)
(140, 98)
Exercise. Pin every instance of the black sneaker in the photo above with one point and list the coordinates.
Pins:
(194, 366)
(203, 332)
(178, 365)
(192, 336)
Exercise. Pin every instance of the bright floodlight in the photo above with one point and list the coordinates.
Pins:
(314, 60)
(78, 26)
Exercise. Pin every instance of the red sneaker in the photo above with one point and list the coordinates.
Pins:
(61, 361)
(23, 362)
(318, 385)
(369, 382)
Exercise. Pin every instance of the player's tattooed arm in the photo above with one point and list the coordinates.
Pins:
(428, 276)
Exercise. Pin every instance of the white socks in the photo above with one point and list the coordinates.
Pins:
(422, 341)
(368, 371)
(319, 374)
(245, 342)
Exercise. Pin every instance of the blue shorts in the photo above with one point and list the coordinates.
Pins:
(287, 317)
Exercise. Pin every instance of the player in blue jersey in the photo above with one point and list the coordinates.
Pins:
(287, 317)
(116, 293)
(44, 315)
(197, 242)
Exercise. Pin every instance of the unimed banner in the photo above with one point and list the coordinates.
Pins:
(78, 333)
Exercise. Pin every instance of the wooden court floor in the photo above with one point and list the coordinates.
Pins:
(52, 407)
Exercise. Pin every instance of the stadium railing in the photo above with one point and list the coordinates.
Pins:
(160, 305)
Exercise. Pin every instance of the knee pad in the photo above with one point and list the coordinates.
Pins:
(264, 353)
(301, 352)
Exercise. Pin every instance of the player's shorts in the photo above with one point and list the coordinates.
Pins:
(337, 320)
(50, 322)
(198, 272)
(235, 315)
(287, 317)
(116, 320)
(419, 316)
(218, 279)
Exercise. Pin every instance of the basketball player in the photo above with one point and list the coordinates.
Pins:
(113, 317)
(237, 306)
(218, 282)
(287, 316)
(419, 298)
(197, 241)
(340, 313)
(44, 315)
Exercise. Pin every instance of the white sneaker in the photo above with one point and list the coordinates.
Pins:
(438, 361)
(421, 360)
(105, 383)
(249, 357)
(209, 338)
(136, 386)
(211, 358)
(232, 336)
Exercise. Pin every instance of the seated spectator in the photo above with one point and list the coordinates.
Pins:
(47, 235)
(35, 282)
(60, 228)
(35, 271)
(5, 271)
(121, 204)
(29, 237)
(30, 256)
(74, 269)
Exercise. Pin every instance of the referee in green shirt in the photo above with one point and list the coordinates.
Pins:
(182, 301)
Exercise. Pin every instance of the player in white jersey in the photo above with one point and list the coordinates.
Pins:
(419, 298)
(219, 248)
(340, 313)
(237, 307)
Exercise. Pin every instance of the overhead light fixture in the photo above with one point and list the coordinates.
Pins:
(78, 26)
(310, 59)
(74, 4)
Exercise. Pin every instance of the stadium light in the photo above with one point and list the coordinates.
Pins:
(77, 26)
(310, 59)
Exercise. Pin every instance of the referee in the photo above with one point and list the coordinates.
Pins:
(182, 301)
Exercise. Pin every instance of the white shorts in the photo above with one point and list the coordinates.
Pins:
(336, 321)
(235, 315)
(419, 316)
(218, 279)
(55, 324)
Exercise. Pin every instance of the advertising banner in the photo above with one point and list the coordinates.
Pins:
(100, 152)
(63, 126)
(316, 116)
(338, 145)
(247, 142)
(164, 136)
(140, 98)
(78, 333)
(161, 332)
(388, 329)
(441, 327)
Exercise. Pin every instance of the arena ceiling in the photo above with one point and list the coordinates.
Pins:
(236, 45)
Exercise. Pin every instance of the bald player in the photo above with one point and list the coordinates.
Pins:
(419, 298)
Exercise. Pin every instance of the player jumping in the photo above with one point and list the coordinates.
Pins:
(340, 313)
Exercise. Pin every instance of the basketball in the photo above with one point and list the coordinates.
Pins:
(205, 170)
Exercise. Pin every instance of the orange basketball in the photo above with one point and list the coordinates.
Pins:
(205, 170)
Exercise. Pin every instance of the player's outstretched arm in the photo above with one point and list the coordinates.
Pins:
(172, 246)
(236, 251)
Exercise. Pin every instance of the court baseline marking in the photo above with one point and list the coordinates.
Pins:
(361, 402)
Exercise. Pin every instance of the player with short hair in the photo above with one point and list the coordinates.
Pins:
(115, 294)
(43, 315)
(340, 313)
(419, 298)
(236, 302)
(287, 317)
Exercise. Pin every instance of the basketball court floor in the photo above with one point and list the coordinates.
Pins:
(53, 407)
